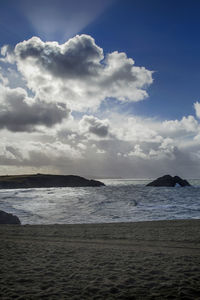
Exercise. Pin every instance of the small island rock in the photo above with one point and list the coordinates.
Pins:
(6, 218)
(168, 180)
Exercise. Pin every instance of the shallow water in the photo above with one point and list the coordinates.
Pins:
(119, 201)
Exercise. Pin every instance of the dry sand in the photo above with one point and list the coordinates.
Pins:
(144, 260)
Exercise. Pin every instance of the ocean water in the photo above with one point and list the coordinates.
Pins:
(123, 200)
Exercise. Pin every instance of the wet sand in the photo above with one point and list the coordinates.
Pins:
(144, 260)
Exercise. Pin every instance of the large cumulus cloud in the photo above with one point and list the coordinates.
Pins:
(77, 58)
(78, 73)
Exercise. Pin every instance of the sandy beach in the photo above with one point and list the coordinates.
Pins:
(144, 260)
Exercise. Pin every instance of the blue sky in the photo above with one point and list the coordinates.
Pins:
(162, 36)
(160, 123)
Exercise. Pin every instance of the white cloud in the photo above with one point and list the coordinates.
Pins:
(134, 129)
(81, 146)
(197, 109)
(7, 54)
(95, 126)
(137, 152)
(186, 124)
(99, 151)
(3, 79)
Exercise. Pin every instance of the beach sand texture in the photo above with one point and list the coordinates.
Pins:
(144, 260)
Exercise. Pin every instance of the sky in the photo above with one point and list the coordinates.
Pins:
(100, 88)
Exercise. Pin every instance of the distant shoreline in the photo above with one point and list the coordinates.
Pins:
(45, 181)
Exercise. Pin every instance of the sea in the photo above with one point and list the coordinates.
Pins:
(120, 200)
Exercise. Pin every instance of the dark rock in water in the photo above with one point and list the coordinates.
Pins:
(170, 181)
(181, 182)
(6, 218)
(45, 180)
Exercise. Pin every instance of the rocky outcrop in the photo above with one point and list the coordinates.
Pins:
(170, 181)
(45, 180)
(6, 218)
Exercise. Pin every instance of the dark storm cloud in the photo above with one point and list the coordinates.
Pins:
(20, 113)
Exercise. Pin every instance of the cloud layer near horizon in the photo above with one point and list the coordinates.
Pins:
(50, 95)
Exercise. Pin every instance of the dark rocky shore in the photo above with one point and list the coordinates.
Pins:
(45, 180)
(6, 218)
